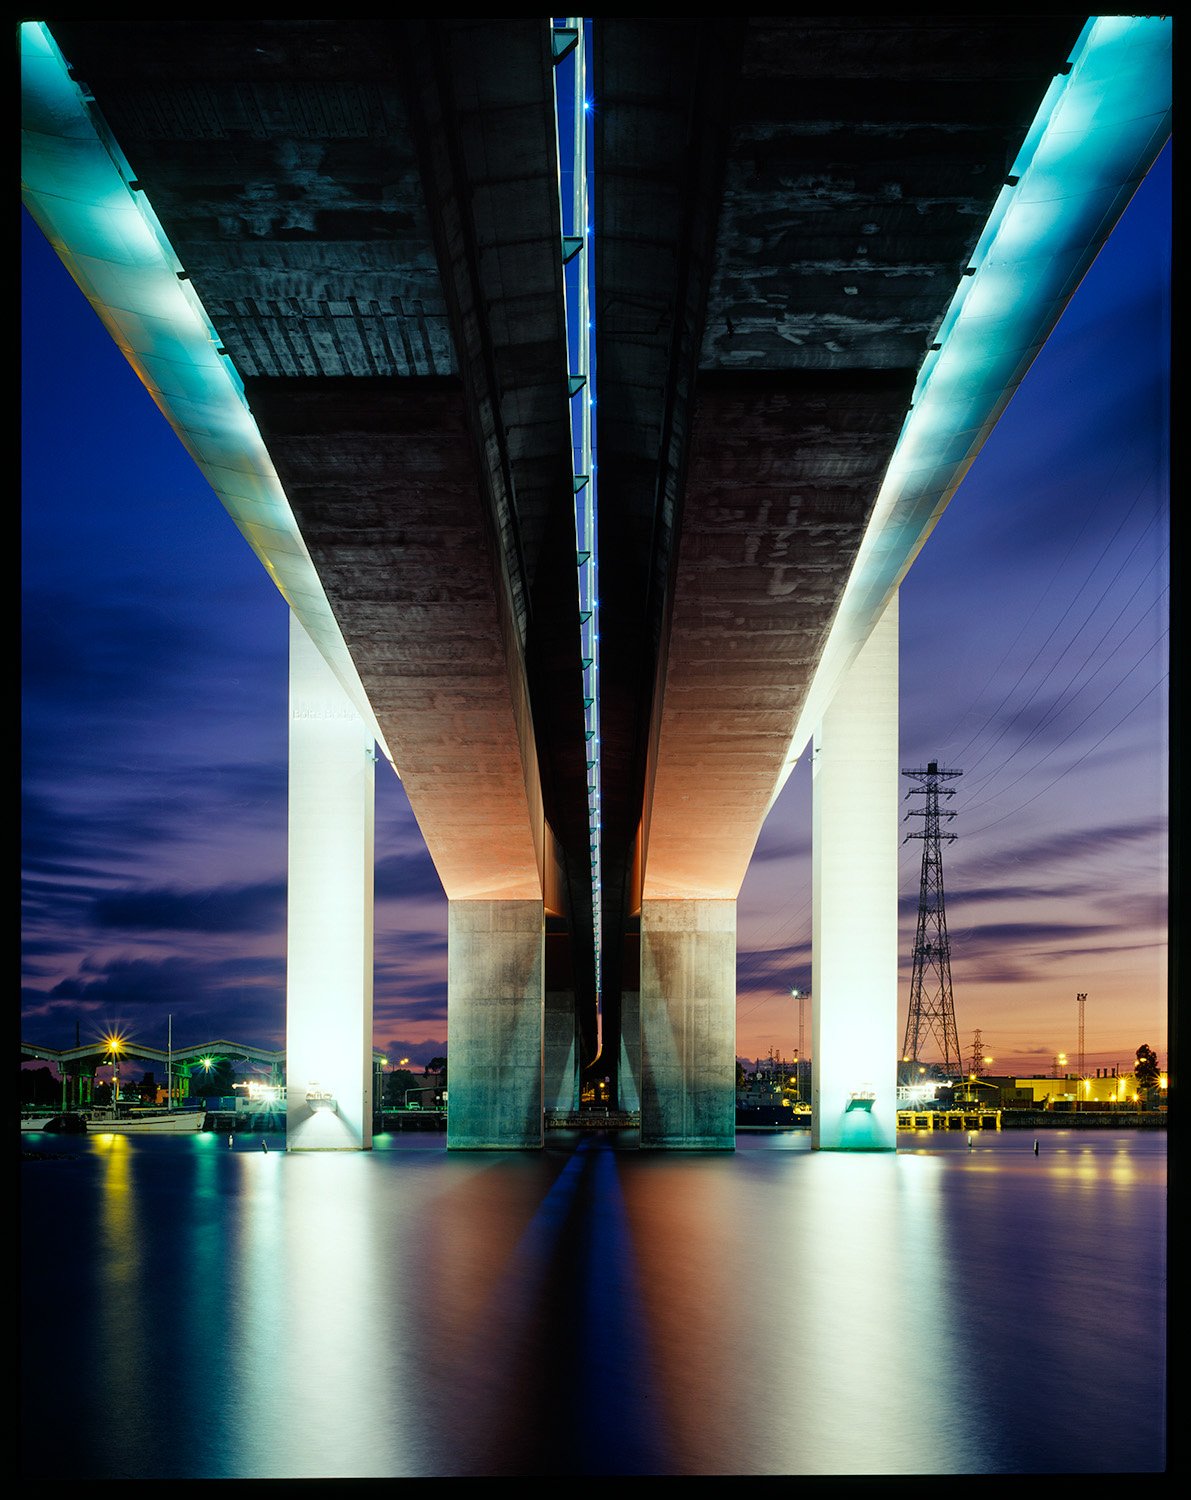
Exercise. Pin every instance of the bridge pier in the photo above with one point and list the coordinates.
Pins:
(688, 1024)
(328, 1024)
(496, 1024)
(560, 1083)
(629, 1070)
(854, 943)
(560, 1042)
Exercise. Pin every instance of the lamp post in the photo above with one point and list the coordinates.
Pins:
(800, 996)
(378, 1095)
(114, 1044)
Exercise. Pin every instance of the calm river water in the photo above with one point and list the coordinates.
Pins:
(192, 1310)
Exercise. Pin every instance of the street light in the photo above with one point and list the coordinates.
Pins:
(114, 1042)
(800, 996)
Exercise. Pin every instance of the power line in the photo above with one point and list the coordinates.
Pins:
(1058, 623)
(1013, 812)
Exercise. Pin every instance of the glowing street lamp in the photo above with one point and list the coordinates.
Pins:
(114, 1042)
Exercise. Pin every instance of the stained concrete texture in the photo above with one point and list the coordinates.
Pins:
(688, 1025)
(496, 1022)
(560, 1082)
(630, 1050)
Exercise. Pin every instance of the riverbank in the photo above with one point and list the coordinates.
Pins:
(1053, 1119)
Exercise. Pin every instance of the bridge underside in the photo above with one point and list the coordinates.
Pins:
(784, 209)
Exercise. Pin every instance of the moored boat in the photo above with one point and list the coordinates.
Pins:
(53, 1124)
(157, 1122)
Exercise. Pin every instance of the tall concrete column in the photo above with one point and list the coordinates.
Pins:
(560, 1089)
(328, 1027)
(630, 1050)
(854, 958)
(688, 1024)
(629, 1060)
(495, 1024)
(560, 1039)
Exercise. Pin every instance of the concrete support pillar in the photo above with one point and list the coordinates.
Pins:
(688, 1024)
(560, 1089)
(854, 959)
(629, 1072)
(328, 1027)
(495, 1024)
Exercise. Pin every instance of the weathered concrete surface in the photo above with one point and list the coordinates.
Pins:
(857, 809)
(781, 477)
(383, 480)
(328, 1010)
(865, 155)
(495, 1020)
(688, 1025)
(630, 1049)
(560, 1064)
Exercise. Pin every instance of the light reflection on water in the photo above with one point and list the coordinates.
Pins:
(198, 1311)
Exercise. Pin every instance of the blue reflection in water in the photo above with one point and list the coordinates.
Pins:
(192, 1311)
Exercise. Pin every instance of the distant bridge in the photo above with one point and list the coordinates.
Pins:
(97, 1053)
(78, 1065)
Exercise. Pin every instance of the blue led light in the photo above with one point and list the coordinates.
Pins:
(572, 106)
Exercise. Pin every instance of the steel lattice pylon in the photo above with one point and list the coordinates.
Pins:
(932, 1010)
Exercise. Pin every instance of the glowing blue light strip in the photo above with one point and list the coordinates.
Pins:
(76, 184)
(1095, 136)
(574, 216)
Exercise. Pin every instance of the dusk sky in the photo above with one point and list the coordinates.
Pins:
(1034, 658)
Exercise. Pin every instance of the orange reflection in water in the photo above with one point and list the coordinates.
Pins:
(779, 1310)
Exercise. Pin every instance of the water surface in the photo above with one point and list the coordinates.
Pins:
(192, 1310)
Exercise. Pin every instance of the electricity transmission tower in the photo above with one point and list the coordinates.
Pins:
(932, 1010)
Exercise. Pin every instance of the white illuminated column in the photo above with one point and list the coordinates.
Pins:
(329, 947)
(854, 957)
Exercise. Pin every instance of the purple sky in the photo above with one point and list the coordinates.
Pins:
(1034, 658)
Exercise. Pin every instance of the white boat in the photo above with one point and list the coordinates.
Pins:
(156, 1122)
(69, 1123)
